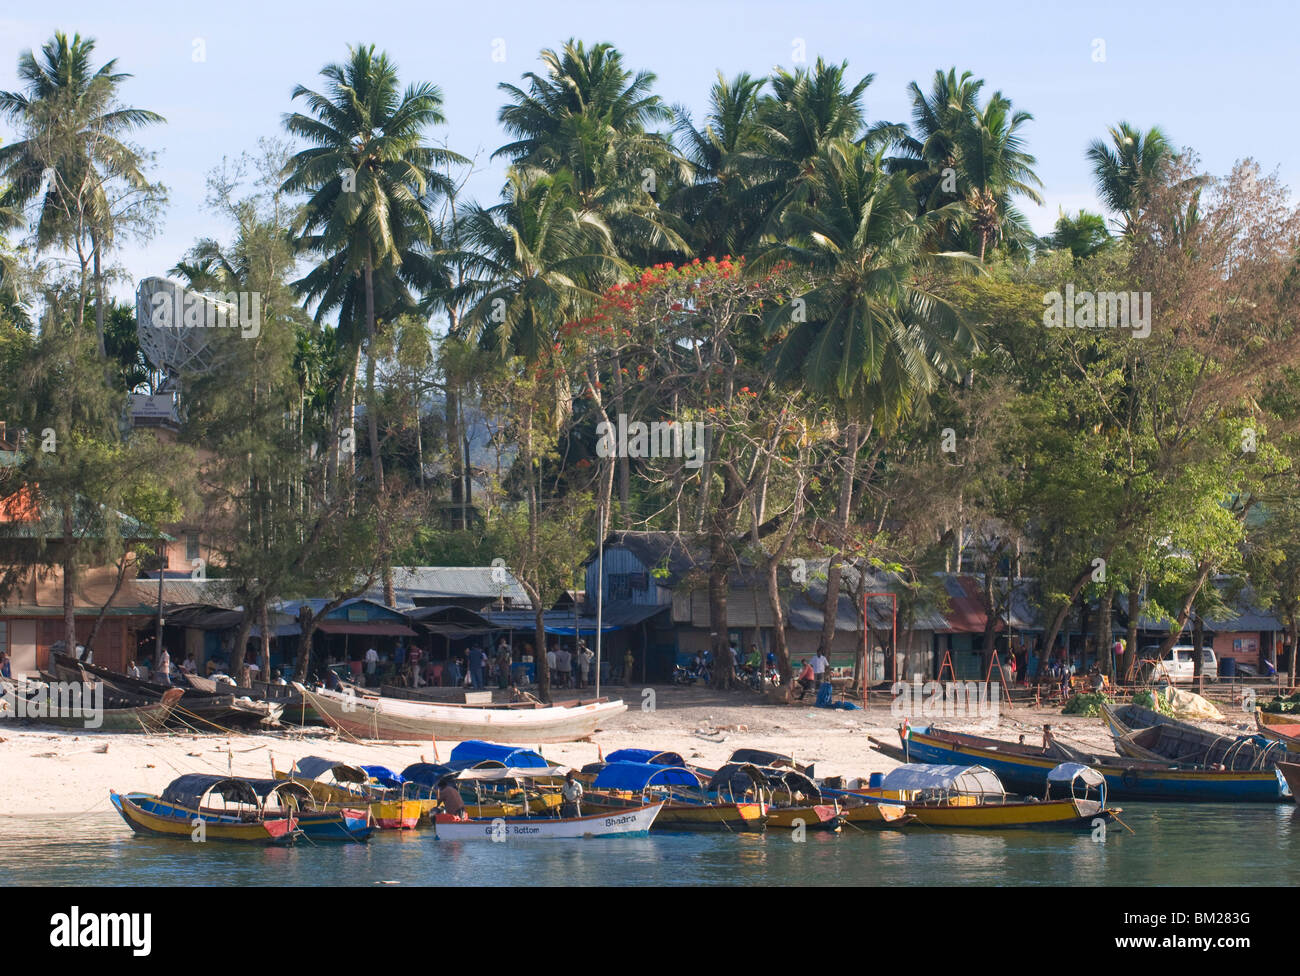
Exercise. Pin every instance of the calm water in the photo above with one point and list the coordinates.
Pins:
(1173, 845)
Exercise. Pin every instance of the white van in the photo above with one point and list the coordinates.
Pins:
(1178, 664)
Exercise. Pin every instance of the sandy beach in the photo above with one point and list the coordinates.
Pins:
(53, 772)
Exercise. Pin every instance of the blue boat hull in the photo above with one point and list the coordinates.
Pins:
(1123, 781)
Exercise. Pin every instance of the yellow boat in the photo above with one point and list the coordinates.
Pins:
(876, 815)
(352, 786)
(793, 800)
(626, 785)
(251, 831)
(972, 797)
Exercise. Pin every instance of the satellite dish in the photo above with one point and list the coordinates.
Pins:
(174, 323)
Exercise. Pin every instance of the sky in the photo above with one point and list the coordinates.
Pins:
(222, 74)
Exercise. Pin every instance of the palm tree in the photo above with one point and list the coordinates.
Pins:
(72, 151)
(1083, 234)
(959, 151)
(871, 336)
(589, 115)
(723, 204)
(996, 169)
(808, 111)
(531, 262)
(1126, 170)
(369, 175)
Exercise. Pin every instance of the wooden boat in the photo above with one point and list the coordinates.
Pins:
(1279, 727)
(868, 814)
(630, 822)
(973, 798)
(1291, 773)
(181, 813)
(99, 709)
(622, 785)
(266, 799)
(373, 717)
(203, 709)
(353, 786)
(1024, 768)
(1141, 733)
(793, 800)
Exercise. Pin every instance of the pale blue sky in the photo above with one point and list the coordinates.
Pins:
(1218, 77)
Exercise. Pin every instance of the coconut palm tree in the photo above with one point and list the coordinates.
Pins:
(808, 111)
(724, 204)
(369, 175)
(869, 335)
(589, 115)
(960, 151)
(1083, 234)
(532, 261)
(995, 169)
(72, 150)
(1127, 169)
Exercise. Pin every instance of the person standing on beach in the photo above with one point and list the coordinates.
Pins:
(819, 665)
(805, 677)
(165, 665)
(627, 667)
(477, 656)
(372, 661)
(504, 660)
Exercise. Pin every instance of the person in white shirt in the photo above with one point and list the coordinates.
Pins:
(819, 665)
(372, 661)
(572, 793)
(165, 664)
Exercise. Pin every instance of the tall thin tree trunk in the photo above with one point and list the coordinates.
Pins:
(843, 514)
(372, 425)
(69, 585)
(99, 296)
(1131, 638)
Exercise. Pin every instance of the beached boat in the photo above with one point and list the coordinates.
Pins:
(631, 822)
(623, 785)
(1280, 727)
(1291, 773)
(94, 709)
(1141, 733)
(372, 717)
(185, 812)
(1024, 767)
(973, 798)
(355, 786)
(205, 710)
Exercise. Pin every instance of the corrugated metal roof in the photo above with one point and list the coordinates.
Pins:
(411, 583)
(177, 592)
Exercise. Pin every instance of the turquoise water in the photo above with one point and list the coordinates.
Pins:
(1172, 845)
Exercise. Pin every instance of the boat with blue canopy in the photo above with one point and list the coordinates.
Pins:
(622, 784)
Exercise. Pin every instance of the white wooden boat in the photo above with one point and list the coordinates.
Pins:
(375, 717)
(633, 822)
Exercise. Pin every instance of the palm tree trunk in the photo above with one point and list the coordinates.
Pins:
(372, 425)
(830, 607)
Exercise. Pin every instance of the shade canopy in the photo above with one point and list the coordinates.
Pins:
(738, 776)
(472, 752)
(977, 780)
(494, 774)
(310, 767)
(191, 789)
(1068, 772)
(646, 756)
(638, 776)
(384, 776)
(425, 774)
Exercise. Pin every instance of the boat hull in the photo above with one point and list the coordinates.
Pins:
(1124, 780)
(628, 823)
(401, 719)
(876, 815)
(683, 815)
(814, 816)
(1047, 815)
(1291, 773)
(142, 815)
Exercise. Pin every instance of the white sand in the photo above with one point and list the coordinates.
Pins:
(46, 771)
